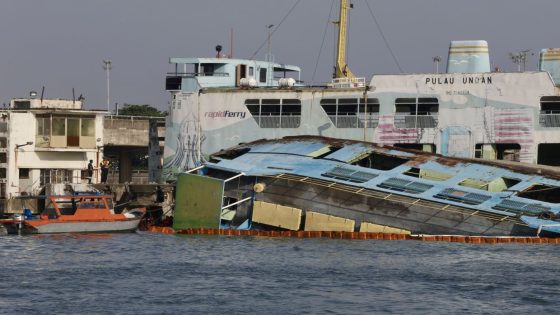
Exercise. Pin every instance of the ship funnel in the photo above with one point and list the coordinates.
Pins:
(550, 61)
(468, 56)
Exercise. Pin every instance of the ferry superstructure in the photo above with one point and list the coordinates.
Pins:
(469, 111)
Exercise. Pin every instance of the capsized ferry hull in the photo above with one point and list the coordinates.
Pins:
(324, 184)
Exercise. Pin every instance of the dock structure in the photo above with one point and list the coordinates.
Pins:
(44, 141)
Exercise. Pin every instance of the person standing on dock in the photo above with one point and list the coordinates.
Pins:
(90, 170)
(104, 170)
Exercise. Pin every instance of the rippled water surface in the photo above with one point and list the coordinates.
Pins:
(146, 273)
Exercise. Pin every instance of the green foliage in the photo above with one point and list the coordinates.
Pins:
(141, 110)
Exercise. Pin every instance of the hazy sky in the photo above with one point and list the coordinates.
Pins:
(60, 44)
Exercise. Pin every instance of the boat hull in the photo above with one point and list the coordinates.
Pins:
(42, 227)
(87, 227)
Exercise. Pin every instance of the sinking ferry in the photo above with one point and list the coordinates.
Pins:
(314, 183)
(470, 111)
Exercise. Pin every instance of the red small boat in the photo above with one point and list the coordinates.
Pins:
(76, 213)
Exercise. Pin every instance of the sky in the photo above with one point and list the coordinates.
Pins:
(60, 44)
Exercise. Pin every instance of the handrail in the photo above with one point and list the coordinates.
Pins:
(198, 74)
(129, 117)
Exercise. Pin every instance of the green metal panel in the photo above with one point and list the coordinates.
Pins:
(198, 202)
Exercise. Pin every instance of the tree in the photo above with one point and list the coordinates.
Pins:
(141, 110)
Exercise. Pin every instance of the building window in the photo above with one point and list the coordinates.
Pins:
(48, 176)
(251, 72)
(88, 127)
(58, 126)
(23, 173)
(275, 113)
(262, 75)
(550, 111)
(65, 131)
(352, 112)
(410, 113)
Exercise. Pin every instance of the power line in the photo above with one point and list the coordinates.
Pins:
(274, 30)
(383, 36)
(322, 42)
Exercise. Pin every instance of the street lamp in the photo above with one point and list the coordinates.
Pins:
(16, 152)
(23, 145)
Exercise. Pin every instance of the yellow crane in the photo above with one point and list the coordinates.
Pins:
(342, 70)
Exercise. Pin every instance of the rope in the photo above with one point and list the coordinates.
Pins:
(274, 30)
(322, 42)
(383, 36)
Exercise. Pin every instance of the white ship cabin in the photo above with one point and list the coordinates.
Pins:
(469, 111)
(45, 141)
(192, 74)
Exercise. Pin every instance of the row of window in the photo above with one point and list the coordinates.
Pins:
(410, 112)
(65, 131)
(345, 112)
(384, 162)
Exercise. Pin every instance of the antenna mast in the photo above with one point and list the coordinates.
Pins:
(342, 69)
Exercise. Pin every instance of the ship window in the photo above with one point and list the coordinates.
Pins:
(498, 151)
(275, 113)
(412, 114)
(427, 174)
(270, 107)
(228, 154)
(426, 147)
(542, 192)
(496, 185)
(207, 69)
(425, 105)
(550, 104)
(550, 111)
(549, 154)
(380, 161)
(262, 75)
(251, 71)
(352, 112)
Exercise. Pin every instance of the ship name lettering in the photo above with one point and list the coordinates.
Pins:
(465, 80)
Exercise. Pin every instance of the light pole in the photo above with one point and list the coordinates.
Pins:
(269, 27)
(107, 65)
(16, 152)
(436, 60)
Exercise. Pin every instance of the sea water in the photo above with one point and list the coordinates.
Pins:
(145, 273)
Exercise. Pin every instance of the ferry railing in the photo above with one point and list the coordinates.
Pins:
(546, 225)
(355, 121)
(130, 121)
(549, 119)
(348, 82)
(422, 120)
(197, 74)
(278, 121)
